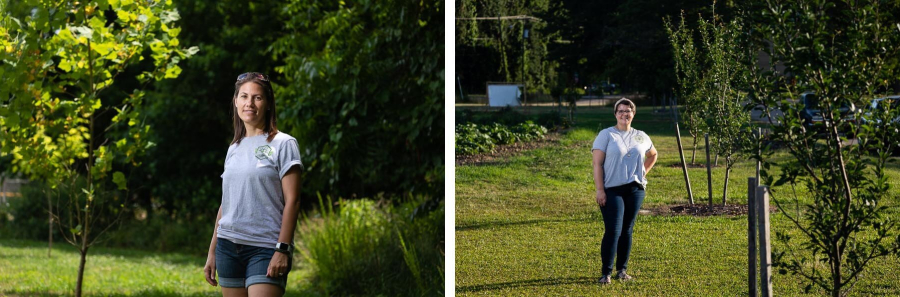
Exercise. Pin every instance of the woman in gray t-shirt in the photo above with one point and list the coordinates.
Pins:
(252, 243)
(622, 157)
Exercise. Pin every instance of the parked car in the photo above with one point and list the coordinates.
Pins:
(892, 102)
(811, 115)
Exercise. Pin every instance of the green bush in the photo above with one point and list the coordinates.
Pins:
(470, 140)
(510, 117)
(369, 248)
(528, 131)
(474, 139)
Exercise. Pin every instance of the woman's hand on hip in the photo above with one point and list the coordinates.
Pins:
(278, 266)
(209, 270)
(601, 198)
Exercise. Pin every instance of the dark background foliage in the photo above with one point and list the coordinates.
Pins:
(623, 42)
(369, 120)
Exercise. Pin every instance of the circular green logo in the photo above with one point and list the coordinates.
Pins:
(264, 152)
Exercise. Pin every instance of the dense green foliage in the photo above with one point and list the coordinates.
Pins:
(59, 65)
(510, 117)
(843, 51)
(712, 76)
(179, 184)
(358, 83)
(366, 249)
(498, 49)
(689, 65)
(475, 139)
(365, 98)
(572, 44)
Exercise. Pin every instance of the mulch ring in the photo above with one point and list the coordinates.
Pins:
(504, 151)
(703, 210)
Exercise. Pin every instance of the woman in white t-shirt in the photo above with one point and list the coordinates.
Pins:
(622, 157)
(252, 243)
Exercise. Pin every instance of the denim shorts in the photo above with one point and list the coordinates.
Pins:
(240, 266)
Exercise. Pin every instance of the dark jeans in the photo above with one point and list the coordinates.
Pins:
(619, 214)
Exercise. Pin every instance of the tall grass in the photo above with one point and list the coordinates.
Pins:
(366, 247)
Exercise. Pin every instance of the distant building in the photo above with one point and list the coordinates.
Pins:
(10, 188)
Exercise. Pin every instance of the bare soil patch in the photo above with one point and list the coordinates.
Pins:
(508, 150)
(703, 210)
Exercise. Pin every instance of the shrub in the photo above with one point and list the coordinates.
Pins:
(509, 117)
(365, 248)
(470, 140)
(529, 131)
(473, 139)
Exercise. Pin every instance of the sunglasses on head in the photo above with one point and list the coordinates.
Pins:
(248, 75)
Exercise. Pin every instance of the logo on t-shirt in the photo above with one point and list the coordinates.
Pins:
(639, 139)
(264, 152)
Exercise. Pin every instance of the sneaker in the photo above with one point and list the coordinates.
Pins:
(622, 276)
(604, 280)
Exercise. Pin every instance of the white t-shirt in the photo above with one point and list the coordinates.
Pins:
(252, 198)
(625, 154)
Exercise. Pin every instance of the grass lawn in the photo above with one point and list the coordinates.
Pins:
(25, 270)
(528, 225)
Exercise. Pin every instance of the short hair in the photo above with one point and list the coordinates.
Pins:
(624, 101)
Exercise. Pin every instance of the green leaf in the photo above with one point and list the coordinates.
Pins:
(103, 48)
(82, 31)
(119, 180)
(173, 72)
(125, 16)
(66, 65)
(174, 32)
(66, 35)
(97, 104)
(192, 51)
(76, 230)
(169, 16)
(97, 24)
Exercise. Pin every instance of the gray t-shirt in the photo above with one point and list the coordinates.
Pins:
(625, 154)
(252, 198)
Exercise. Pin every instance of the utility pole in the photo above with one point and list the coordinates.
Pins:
(524, 59)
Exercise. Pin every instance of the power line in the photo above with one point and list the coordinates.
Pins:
(498, 18)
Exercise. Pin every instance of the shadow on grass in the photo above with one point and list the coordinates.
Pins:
(584, 280)
(517, 223)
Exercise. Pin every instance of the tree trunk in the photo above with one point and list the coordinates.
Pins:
(84, 250)
(694, 150)
(49, 226)
(708, 171)
(836, 272)
(725, 190)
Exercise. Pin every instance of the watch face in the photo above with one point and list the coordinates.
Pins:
(283, 246)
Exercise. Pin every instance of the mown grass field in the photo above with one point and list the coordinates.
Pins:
(25, 270)
(528, 225)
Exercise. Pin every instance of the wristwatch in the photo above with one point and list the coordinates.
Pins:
(283, 247)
